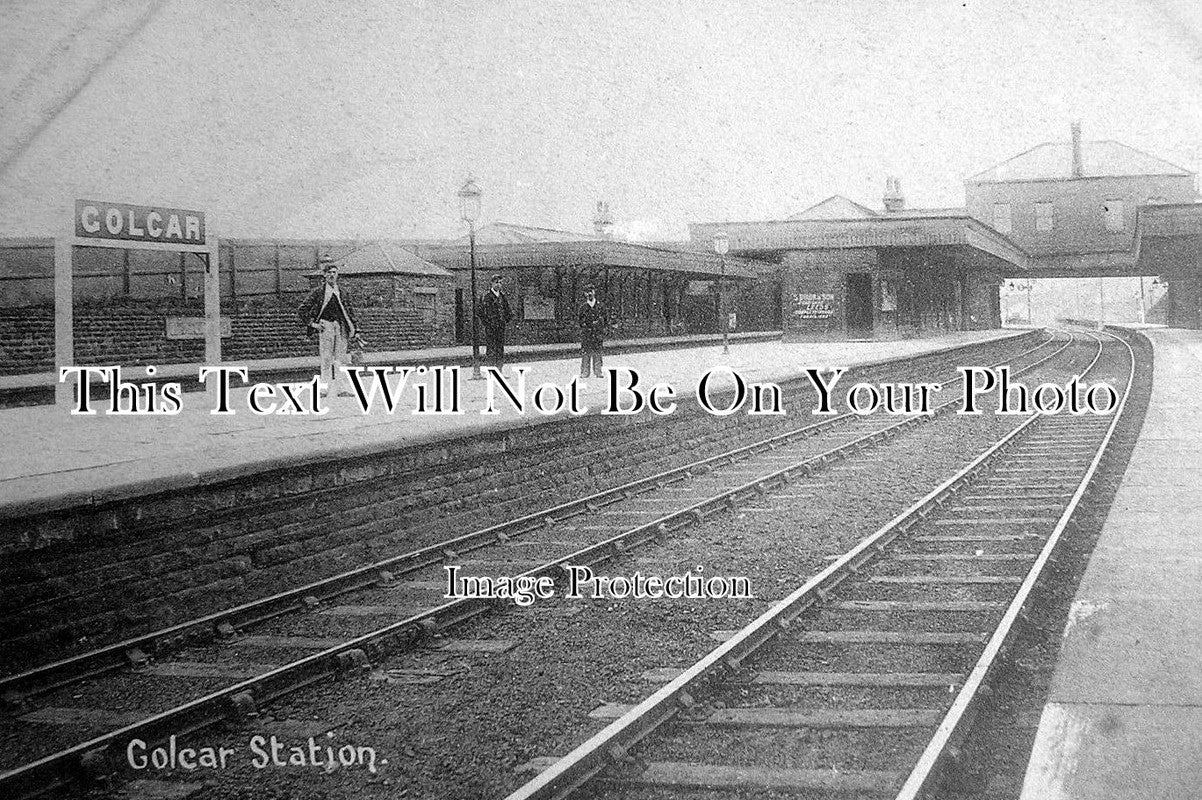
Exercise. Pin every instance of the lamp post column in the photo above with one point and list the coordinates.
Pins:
(721, 247)
(471, 237)
(725, 313)
(469, 211)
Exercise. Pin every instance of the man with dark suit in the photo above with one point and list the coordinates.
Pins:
(594, 319)
(327, 314)
(495, 315)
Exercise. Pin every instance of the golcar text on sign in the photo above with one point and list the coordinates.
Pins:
(130, 223)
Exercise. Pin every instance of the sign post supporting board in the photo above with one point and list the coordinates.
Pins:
(130, 227)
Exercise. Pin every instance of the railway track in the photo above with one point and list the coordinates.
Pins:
(863, 681)
(374, 507)
(240, 659)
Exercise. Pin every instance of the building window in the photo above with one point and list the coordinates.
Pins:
(1114, 214)
(1001, 217)
(1043, 216)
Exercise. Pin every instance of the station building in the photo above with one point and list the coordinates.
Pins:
(836, 270)
(649, 290)
(135, 307)
(847, 271)
(1075, 206)
(1071, 209)
(1099, 209)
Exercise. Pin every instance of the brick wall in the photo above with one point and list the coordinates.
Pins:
(1078, 215)
(819, 272)
(129, 332)
(26, 339)
(122, 299)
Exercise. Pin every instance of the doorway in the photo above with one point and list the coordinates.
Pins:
(859, 303)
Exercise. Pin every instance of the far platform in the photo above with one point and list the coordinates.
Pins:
(55, 460)
(1123, 717)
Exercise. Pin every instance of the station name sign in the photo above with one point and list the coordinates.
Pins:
(130, 223)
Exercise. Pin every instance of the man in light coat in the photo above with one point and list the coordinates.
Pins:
(327, 313)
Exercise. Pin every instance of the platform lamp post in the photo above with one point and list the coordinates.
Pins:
(469, 211)
(721, 247)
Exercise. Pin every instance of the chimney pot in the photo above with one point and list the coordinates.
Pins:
(894, 201)
(603, 224)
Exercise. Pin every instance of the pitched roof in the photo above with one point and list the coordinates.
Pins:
(508, 233)
(836, 207)
(387, 258)
(1053, 161)
(593, 254)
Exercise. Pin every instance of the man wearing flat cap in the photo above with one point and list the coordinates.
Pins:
(327, 314)
(494, 316)
(594, 319)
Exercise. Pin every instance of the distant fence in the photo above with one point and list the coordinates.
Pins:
(137, 307)
(102, 275)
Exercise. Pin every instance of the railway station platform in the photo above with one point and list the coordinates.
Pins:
(56, 461)
(1123, 717)
(38, 387)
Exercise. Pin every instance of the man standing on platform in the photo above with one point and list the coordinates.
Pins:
(495, 315)
(594, 319)
(327, 314)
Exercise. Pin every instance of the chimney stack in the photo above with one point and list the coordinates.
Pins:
(1078, 162)
(894, 202)
(603, 223)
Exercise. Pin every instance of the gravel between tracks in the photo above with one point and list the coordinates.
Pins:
(464, 736)
(999, 746)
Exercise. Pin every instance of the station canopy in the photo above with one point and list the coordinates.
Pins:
(504, 246)
(978, 244)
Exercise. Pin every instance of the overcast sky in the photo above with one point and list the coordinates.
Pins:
(329, 119)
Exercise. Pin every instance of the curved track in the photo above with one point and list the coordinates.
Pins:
(397, 602)
(864, 680)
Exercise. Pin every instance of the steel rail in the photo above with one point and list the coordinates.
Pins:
(245, 696)
(611, 744)
(48, 677)
(960, 716)
(729, 499)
